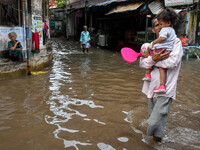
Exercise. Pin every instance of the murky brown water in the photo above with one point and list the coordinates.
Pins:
(93, 101)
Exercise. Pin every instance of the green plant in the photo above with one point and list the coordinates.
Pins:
(64, 21)
(59, 3)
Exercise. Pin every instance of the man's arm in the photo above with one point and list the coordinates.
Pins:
(147, 61)
(174, 58)
(81, 39)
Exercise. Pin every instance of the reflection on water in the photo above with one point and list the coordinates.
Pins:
(60, 103)
(122, 139)
(93, 101)
(6, 112)
(103, 146)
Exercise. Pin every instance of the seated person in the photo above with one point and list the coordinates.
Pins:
(15, 48)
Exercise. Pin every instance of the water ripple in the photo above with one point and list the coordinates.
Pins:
(64, 107)
(91, 93)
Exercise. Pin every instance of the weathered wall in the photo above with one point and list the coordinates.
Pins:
(36, 6)
(192, 27)
(38, 15)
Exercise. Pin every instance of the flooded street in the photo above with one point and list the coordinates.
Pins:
(93, 102)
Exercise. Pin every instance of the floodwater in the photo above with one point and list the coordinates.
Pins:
(93, 102)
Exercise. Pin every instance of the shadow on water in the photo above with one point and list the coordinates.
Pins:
(93, 101)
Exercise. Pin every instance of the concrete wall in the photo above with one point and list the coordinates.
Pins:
(36, 6)
(192, 18)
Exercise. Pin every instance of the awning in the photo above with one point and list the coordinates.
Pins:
(108, 2)
(129, 7)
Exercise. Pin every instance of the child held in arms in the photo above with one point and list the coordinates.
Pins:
(167, 19)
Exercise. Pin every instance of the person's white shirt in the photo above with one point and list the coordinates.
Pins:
(170, 35)
(172, 64)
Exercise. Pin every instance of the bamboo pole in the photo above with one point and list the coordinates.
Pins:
(27, 37)
(146, 29)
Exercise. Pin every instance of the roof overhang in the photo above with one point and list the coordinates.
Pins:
(108, 2)
(125, 8)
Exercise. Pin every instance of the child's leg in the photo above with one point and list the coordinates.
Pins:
(149, 70)
(161, 88)
(162, 76)
(148, 75)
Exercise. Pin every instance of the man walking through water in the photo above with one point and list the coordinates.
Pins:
(85, 39)
(159, 104)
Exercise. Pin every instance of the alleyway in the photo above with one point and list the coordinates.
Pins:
(93, 101)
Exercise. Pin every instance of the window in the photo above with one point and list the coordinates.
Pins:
(10, 13)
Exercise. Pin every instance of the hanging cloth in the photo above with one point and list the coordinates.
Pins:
(46, 27)
(35, 43)
(45, 33)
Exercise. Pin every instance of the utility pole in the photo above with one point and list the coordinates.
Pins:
(66, 13)
(146, 27)
(86, 1)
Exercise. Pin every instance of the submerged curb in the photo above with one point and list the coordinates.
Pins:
(15, 69)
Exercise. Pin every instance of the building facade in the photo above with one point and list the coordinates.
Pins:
(12, 19)
(117, 23)
(137, 16)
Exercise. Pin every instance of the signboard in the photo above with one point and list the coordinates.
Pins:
(38, 26)
(156, 7)
(37, 23)
(169, 3)
(4, 39)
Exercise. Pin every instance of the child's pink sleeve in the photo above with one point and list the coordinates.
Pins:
(146, 62)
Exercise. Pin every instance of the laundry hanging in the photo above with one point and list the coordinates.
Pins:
(35, 43)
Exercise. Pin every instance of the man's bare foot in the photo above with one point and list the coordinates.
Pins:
(157, 139)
